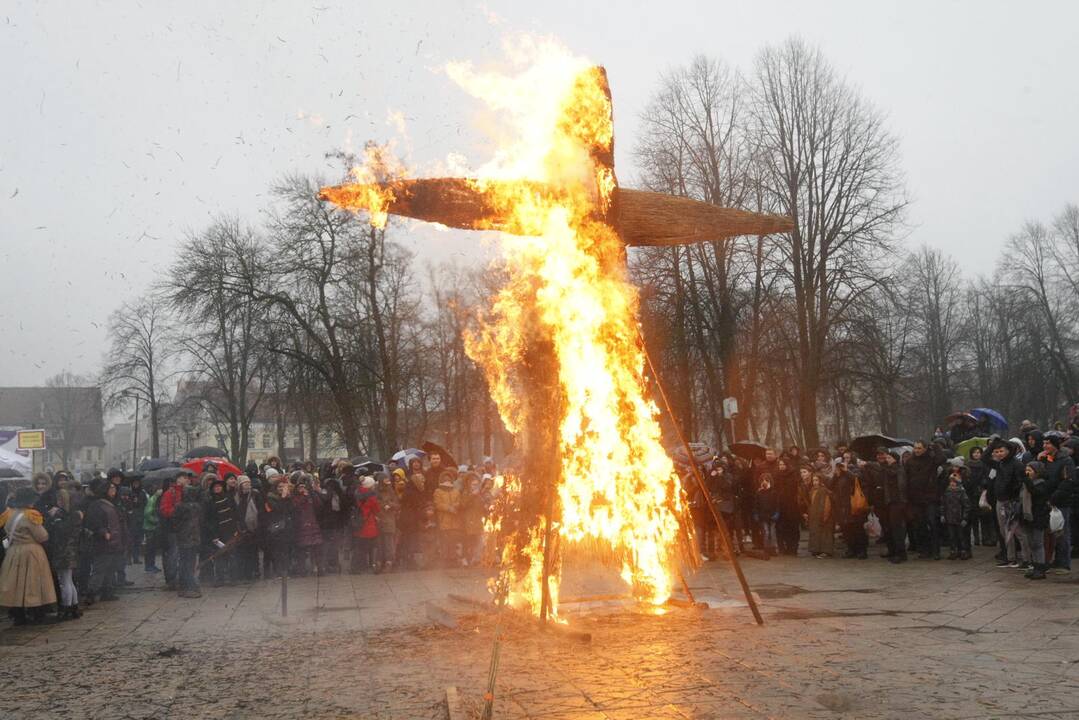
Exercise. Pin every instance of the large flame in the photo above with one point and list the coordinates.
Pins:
(617, 488)
(568, 296)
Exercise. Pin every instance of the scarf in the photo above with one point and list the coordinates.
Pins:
(28, 513)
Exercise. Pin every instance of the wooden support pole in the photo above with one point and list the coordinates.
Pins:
(720, 525)
(284, 595)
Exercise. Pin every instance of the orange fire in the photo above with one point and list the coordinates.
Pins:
(617, 489)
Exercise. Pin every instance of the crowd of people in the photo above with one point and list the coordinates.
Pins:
(1017, 494)
(70, 546)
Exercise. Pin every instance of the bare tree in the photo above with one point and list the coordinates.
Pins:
(137, 362)
(1033, 267)
(934, 294)
(71, 407)
(829, 162)
(223, 333)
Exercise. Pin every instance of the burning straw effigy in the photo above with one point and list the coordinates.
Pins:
(560, 345)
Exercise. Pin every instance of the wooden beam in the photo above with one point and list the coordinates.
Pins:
(640, 217)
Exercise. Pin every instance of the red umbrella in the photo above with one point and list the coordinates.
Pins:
(224, 467)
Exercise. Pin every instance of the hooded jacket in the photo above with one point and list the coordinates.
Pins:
(1060, 480)
(104, 523)
(1006, 475)
(1034, 494)
(221, 521)
(367, 507)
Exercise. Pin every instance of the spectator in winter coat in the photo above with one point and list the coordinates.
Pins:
(957, 514)
(789, 524)
(1063, 487)
(985, 518)
(276, 522)
(923, 497)
(766, 513)
(222, 528)
(447, 501)
(65, 532)
(851, 523)
(151, 526)
(306, 506)
(891, 481)
(820, 519)
(187, 520)
(171, 499)
(248, 502)
(474, 505)
(1033, 518)
(412, 518)
(26, 587)
(1006, 475)
(389, 506)
(333, 522)
(365, 534)
(109, 544)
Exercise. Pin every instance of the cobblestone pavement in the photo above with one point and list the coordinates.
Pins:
(842, 639)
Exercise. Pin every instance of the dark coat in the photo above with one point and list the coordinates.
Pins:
(923, 479)
(187, 518)
(956, 506)
(328, 518)
(1008, 478)
(65, 533)
(305, 519)
(103, 518)
(1060, 481)
(1039, 503)
(786, 492)
(221, 519)
(277, 518)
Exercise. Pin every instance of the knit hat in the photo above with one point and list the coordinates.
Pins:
(957, 461)
(241, 480)
(368, 482)
(271, 473)
(1039, 468)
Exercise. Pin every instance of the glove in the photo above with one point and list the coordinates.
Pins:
(963, 524)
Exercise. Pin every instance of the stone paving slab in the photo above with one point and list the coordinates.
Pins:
(842, 639)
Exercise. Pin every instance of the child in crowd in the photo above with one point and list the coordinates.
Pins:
(957, 515)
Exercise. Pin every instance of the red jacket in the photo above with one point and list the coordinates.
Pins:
(368, 507)
(170, 500)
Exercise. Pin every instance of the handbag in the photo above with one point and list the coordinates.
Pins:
(858, 503)
(872, 526)
(18, 519)
(1056, 521)
(983, 501)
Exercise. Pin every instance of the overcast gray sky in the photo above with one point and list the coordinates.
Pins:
(127, 123)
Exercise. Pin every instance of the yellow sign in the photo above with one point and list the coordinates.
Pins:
(31, 439)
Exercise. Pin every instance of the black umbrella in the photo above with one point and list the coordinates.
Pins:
(749, 450)
(431, 448)
(133, 474)
(162, 474)
(156, 464)
(9, 473)
(204, 451)
(370, 468)
(866, 445)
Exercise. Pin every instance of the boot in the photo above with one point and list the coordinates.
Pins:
(1037, 572)
(73, 611)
